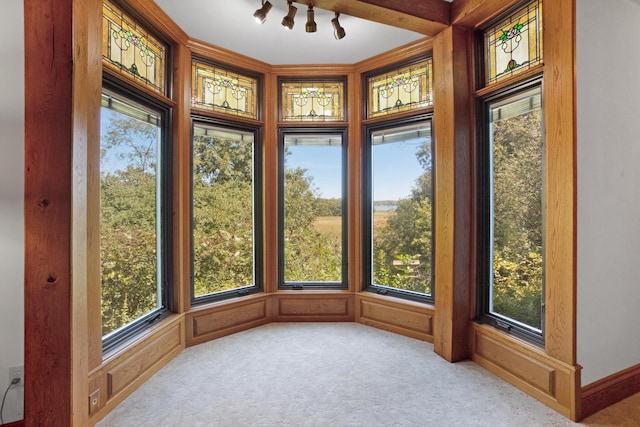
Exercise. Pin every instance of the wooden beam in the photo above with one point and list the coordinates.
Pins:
(427, 17)
(560, 179)
(475, 13)
(452, 126)
(62, 96)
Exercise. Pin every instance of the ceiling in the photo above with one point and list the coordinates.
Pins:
(230, 24)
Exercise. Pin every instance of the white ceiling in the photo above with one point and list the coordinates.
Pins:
(230, 24)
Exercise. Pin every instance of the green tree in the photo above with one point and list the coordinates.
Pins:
(128, 220)
(308, 254)
(223, 230)
(403, 248)
(517, 213)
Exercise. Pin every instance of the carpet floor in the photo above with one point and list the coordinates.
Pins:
(324, 374)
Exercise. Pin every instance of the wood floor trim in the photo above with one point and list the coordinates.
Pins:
(609, 390)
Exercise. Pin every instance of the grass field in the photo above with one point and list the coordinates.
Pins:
(330, 225)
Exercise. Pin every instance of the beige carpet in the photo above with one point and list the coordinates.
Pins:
(325, 374)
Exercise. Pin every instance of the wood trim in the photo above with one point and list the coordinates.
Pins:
(159, 20)
(225, 56)
(19, 423)
(309, 71)
(354, 184)
(475, 13)
(270, 185)
(402, 53)
(609, 390)
(408, 318)
(91, 208)
(225, 318)
(427, 17)
(507, 81)
(181, 171)
(62, 82)
(123, 374)
(560, 179)
(452, 129)
(527, 367)
(313, 306)
(130, 366)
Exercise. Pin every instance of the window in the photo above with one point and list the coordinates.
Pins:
(312, 208)
(135, 178)
(401, 88)
(223, 90)
(514, 44)
(510, 167)
(226, 209)
(398, 209)
(131, 50)
(134, 207)
(312, 100)
(511, 255)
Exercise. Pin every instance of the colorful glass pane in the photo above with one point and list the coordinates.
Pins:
(312, 101)
(224, 91)
(131, 50)
(515, 44)
(406, 88)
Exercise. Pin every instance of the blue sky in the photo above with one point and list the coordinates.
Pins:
(395, 168)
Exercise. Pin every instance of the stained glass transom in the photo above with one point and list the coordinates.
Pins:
(515, 44)
(312, 101)
(402, 89)
(224, 91)
(129, 49)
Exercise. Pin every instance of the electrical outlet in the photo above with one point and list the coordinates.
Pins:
(17, 372)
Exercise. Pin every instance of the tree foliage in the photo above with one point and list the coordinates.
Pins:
(517, 213)
(403, 247)
(224, 232)
(128, 219)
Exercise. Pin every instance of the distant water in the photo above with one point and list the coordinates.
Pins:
(385, 207)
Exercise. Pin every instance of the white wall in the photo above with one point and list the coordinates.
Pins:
(11, 201)
(608, 96)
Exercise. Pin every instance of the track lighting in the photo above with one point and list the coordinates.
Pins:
(261, 14)
(311, 23)
(338, 31)
(287, 21)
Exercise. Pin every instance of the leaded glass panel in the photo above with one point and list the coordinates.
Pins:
(131, 50)
(407, 88)
(515, 44)
(312, 101)
(224, 91)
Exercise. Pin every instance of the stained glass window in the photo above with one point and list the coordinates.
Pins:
(225, 91)
(131, 50)
(401, 89)
(515, 44)
(312, 101)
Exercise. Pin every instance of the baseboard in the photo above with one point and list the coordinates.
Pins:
(609, 390)
(14, 424)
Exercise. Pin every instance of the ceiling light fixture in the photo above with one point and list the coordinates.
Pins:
(338, 31)
(261, 14)
(311, 23)
(287, 21)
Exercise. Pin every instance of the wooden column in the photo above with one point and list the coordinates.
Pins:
(62, 98)
(560, 179)
(452, 193)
